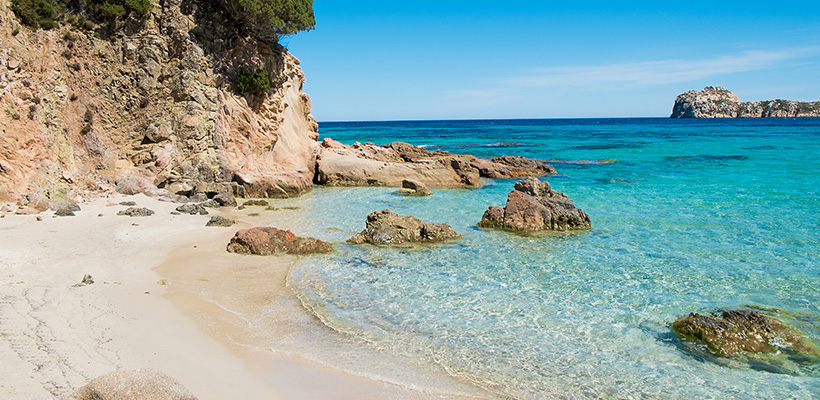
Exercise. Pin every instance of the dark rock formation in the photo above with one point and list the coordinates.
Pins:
(143, 384)
(739, 332)
(136, 212)
(220, 200)
(717, 102)
(192, 209)
(533, 206)
(220, 221)
(387, 227)
(261, 203)
(389, 165)
(268, 241)
(413, 188)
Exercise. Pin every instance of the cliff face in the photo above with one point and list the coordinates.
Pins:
(717, 102)
(153, 108)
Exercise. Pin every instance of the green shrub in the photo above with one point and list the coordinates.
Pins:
(110, 12)
(141, 7)
(38, 13)
(86, 128)
(267, 19)
(256, 83)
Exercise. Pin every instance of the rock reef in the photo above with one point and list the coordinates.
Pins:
(717, 102)
(386, 227)
(533, 206)
(389, 165)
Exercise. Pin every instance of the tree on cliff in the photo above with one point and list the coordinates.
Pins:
(267, 19)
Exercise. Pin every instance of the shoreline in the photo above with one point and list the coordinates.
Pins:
(149, 308)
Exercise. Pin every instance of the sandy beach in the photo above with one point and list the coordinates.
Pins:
(156, 302)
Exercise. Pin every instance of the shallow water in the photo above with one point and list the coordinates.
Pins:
(694, 216)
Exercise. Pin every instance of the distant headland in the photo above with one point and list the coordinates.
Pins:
(717, 102)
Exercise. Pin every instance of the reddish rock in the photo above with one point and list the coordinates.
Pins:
(533, 206)
(266, 240)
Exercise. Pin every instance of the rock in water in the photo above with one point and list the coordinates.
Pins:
(717, 102)
(143, 384)
(413, 188)
(739, 332)
(267, 240)
(533, 206)
(387, 227)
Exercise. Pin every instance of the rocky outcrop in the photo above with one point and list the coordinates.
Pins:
(266, 241)
(533, 206)
(389, 165)
(740, 332)
(413, 188)
(385, 227)
(717, 102)
(144, 384)
(136, 212)
(153, 108)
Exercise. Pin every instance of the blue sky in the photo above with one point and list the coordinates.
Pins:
(382, 60)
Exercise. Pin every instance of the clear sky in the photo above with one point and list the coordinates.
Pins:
(404, 60)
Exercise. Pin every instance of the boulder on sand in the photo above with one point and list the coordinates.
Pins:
(387, 227)
(267, 240)
(533, 206)
(144, 384)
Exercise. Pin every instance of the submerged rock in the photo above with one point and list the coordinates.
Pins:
(268, 241)
(739, 332)
(387, 227)
(144, 384)
(533, 206)
(413, 188)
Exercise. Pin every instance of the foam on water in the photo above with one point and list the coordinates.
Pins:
(695, 216)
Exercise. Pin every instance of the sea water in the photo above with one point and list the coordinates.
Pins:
(687, 216)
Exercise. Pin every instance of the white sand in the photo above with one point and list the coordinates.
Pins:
(54, 337)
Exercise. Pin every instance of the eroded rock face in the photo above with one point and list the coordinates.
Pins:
(711, 102)
(717, 102)
(413, 188)
(160, 107)
(385, 227)
(144, 384)
(389, 165)
(739, 332)
(266, 241)
(533, 206)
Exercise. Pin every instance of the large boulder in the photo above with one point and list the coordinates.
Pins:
(387, 227)
(267, 240)
(741, 332)
(143, 384)
(533, 206)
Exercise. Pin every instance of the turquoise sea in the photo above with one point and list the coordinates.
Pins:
(694, 216)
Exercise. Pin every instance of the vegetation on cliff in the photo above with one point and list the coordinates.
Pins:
(265, 19)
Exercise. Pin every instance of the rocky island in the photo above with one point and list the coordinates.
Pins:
(717, 102)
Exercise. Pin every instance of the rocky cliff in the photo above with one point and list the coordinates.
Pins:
(153, 108)
(717, 102)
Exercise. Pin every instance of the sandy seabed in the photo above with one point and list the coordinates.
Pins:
(154, 304)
